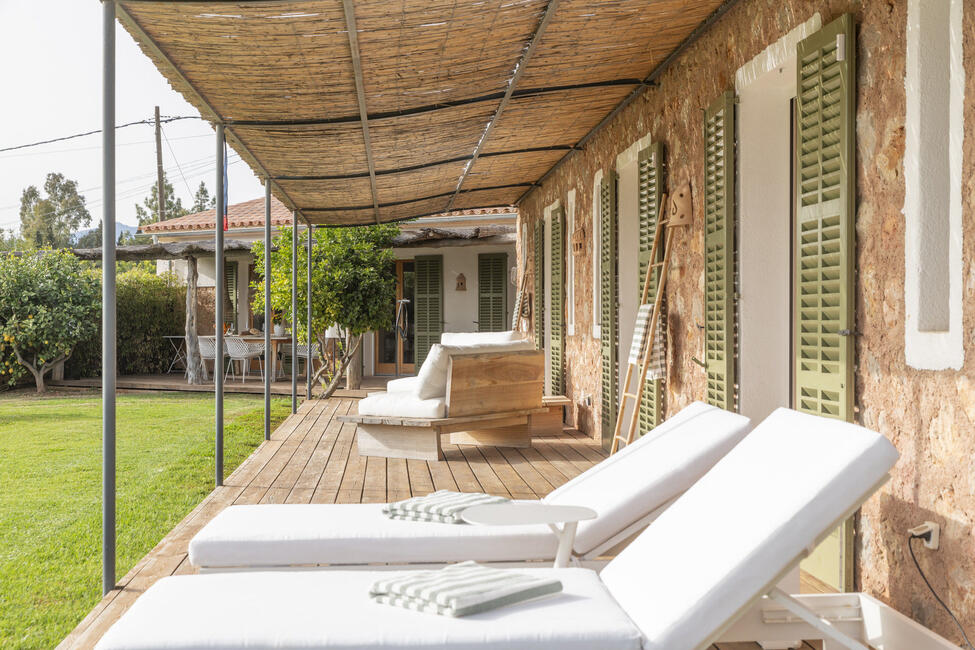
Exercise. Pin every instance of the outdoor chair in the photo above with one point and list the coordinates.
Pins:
(704, 572)
(627, 491)
(208, 352)
(243, 352)
(302, 357)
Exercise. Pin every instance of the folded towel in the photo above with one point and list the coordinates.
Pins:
(461, 589)
(442, 506)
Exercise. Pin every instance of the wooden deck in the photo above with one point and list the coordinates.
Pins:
(254, 385)
(312, 458)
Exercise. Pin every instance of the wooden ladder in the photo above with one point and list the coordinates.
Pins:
(675, 219)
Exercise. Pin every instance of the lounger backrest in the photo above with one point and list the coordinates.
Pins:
(647, 474)
(473, 338)
(433, 373)
(737, 531)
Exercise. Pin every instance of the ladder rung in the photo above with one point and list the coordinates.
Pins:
(633, 395)
(656, 264)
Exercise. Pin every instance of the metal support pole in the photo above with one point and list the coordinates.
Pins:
(308, 336)
(268, 316)
(294, 312)
(218, 310)
(108, 298)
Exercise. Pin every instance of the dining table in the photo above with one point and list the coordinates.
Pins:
(276, 343)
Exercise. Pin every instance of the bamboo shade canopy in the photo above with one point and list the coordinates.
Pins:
(380, 110)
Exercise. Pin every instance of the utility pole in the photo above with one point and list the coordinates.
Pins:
(160, 187)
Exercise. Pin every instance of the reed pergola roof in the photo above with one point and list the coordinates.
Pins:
(362, 111)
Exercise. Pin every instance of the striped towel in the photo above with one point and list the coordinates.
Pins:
(461, 589)
(443, 506)
(658, 356)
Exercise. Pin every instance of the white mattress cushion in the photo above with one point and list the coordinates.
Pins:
(315, 609)
(402, 405)
(473, 338)
(433, 372)
(403, 385)
(647, 474)
(290, 534)
(738, 529)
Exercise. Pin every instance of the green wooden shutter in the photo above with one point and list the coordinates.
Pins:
(556, 349)
(427, 304)
(650, 187)
(609, 308)
(492, 293)
(719, 251)
(538, 300)
(230, 287)
(824, 252)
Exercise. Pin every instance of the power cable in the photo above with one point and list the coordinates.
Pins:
(934, 593)
(175, 160)
(167, 119)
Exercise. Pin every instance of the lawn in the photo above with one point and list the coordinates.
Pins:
(50, 493)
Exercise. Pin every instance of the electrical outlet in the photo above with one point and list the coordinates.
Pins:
(930, 532)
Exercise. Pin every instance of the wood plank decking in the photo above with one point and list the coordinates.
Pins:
(312, 458)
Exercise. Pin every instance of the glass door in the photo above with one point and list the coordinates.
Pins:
(394, 346)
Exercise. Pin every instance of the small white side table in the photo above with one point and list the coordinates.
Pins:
(515, 514)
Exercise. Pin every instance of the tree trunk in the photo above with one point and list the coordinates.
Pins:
(196, 372)
(346, 360)
(353, 374)
(39, 373)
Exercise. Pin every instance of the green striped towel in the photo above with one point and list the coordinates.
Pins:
(461, 589)
(442, 506)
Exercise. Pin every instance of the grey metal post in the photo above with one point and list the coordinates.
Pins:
(218, 311)
(308, 337)
(294, 312)
(108, 298)
(268, 319)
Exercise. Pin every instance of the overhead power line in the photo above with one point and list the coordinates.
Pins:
(173, 118)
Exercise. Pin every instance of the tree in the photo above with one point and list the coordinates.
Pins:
(52, 220)
(202, 200)
(353, 285)
(49, 301)
(148, 212)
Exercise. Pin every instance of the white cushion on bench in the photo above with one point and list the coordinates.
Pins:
(406, 405)
(310, 610)
(744, 524)
(473, 338)
(403, 385)
(433, 372)
(291, 534)
(650, 472)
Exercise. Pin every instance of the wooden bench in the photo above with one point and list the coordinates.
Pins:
(491, 400)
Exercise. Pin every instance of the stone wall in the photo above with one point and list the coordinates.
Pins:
(929, 416)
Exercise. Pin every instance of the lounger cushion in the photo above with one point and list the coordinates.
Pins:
(289, 534)
(473, 338)
(307, 610)
(402, 405)
(742, 526)
(650, 472)
(403, 385)
(433, 372)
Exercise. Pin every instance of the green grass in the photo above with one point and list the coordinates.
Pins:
(50, 493)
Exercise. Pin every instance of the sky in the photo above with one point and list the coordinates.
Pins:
(52, 87)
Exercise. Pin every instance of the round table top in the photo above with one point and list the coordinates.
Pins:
(511, 514)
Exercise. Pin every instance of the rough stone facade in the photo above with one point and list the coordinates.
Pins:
(928, 415)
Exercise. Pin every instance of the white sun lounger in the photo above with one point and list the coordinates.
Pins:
(698, 575)
(627, 490)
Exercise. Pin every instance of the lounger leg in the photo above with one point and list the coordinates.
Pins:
(567, 537)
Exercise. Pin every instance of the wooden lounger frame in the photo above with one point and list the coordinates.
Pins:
(492, 399)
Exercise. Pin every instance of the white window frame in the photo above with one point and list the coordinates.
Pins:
(935, 85)
(570, 268)
(597, 330)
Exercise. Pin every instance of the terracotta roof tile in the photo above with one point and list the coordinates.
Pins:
(249, 214)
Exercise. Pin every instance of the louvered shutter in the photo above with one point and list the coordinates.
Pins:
(427, 304)
(650, 161)
(824, 252)
(538, 297)
(556, 349)
(609, 311)
(719, 251)
(492, 294)
(230, 293)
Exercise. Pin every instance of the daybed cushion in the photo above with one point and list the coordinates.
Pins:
(473, 338)
(290, 534)
(433, 372)
(650, 472)
(332, 610)
(402, 405)
(742, 526)
(403, 385)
